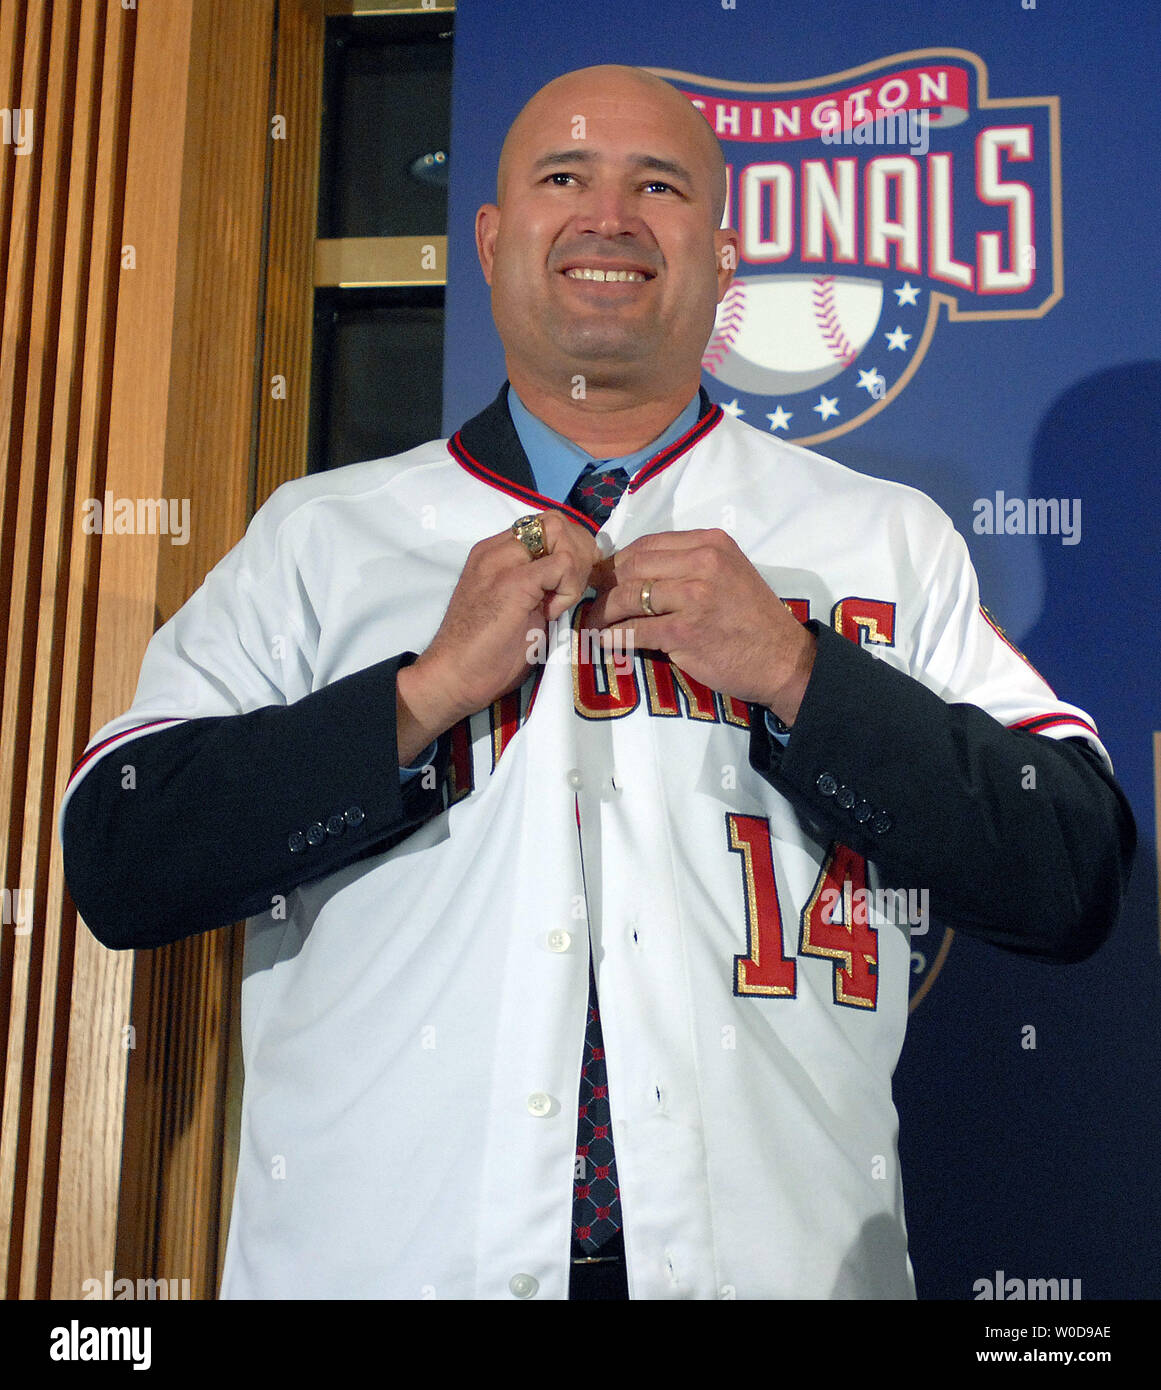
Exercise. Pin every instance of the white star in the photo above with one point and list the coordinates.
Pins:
(734, 409)
(898, 339)
(908, 293)
(827, 406)
(780, 420)
(873, 383)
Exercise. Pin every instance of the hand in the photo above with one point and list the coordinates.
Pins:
(503, 601)
(717, 618)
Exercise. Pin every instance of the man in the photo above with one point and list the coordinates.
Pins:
(688, 849)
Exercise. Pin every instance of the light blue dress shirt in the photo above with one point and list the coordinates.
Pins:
(557, 462)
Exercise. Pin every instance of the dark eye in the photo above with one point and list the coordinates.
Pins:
(559, 179)
(657, 183)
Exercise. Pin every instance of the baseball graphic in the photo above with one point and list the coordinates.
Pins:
(778, 334)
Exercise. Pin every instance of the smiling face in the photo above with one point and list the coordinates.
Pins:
(604, 253)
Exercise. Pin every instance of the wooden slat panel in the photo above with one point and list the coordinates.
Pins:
(293, 220)
(121, 448)
(59, 525)
(32, 341)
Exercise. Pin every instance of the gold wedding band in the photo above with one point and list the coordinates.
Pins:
(529, 531)
(646, 594)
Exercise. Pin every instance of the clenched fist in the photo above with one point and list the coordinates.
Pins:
(715, 616)
(480, 652)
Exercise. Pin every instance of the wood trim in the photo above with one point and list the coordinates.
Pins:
(364, 261)
(366, 8)
(288, 326)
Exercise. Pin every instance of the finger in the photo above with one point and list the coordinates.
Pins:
(652, 564)
(678, 540)
(560, 530)
(640, 634)
(562, 577)
(626, 601)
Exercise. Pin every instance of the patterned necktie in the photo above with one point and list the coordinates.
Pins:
(597, 491)
(596, 1206)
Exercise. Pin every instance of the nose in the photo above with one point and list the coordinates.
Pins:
(609, 209)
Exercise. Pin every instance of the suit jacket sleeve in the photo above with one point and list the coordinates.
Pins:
(1022, 840)
(204, 822)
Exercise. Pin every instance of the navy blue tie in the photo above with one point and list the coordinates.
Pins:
(597, 491)
(596, 1205)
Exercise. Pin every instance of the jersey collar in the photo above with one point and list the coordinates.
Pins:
(489, 448)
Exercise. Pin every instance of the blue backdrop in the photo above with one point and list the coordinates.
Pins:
(1031, 368)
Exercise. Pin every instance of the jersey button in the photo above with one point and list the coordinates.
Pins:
(575, 779)
(539, 1104)
(559, 941)
(523, 1285)
(827, 785)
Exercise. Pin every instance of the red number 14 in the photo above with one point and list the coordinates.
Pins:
(833, 922)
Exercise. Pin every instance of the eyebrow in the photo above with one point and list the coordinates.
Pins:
(637, 161)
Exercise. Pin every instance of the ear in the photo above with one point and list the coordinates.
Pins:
(726, 254)
(487, 229)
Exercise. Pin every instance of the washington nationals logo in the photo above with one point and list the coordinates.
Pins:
(866, 201)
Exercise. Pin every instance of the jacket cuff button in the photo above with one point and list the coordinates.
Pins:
(297, 842)
(316, 833)
(826, 785)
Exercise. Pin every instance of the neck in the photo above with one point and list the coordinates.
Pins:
(610, 421)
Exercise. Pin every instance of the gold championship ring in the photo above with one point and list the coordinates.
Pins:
(529, 531)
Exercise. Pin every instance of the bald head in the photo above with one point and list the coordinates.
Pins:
(574, 89)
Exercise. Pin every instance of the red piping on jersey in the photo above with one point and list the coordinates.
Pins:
(522, 494)
(1007, 641)
(1039, 722)
(694, 435)
(92, 753)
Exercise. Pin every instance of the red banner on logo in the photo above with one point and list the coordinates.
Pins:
(933, 88)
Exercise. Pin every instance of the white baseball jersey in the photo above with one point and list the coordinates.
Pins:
(413, 1027)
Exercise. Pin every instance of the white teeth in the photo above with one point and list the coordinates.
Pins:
(588, 272)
